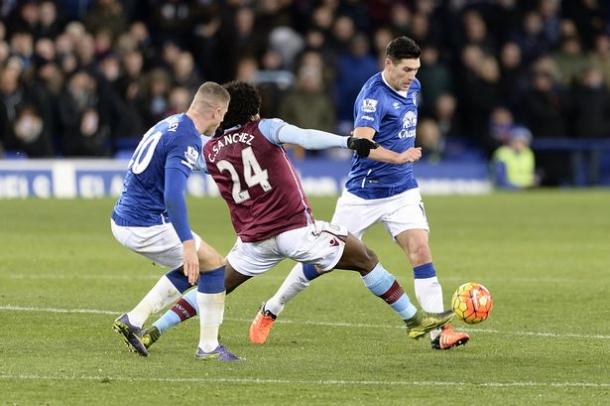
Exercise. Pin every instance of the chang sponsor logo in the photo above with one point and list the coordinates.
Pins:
(409, 124)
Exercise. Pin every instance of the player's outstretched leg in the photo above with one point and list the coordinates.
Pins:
(166, 290)
(297, 280)
(359, 257)
(185, 308)
(211, 301)
(428, 289)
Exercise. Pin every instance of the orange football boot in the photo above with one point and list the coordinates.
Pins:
(261, 326)
(449, 338)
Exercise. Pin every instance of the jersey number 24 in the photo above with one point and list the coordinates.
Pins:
(253, 175)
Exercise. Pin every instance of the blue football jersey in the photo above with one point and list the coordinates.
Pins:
(394, 118)
(172, 143)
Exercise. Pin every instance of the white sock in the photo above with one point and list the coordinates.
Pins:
(430, 297)
(211, 311)
(294, 283)
(161, 295)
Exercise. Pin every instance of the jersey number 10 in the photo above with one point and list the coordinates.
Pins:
(253, 175)
(144, 152)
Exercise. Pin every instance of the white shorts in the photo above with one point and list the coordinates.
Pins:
(320, 244)
(158, 243)
(404, 211)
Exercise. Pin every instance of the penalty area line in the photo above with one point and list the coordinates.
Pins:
(333, 382)
(315, 323)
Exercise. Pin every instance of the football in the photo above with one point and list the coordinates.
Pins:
(472, 303)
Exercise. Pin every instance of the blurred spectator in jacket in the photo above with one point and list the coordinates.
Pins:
(446, 117)
(106, 14)
(600, 56)
(422, 29)
(570, 59)
(288, 43)
(184, 72)
(501, 123)
(550, 13)
(545, 105)
(435, 79)
(590, 101)
(245, 40)
(22, 47)
(514, 76)
(50, 23)
(400, 19)
(154, 96)
(179, 100)
(431, 140)
(83, 118)
(531, 37)
(21, 118)
(591, 17)
(479, 92)
(343, 31)
(476, 33)
(353, 69)
(514, 163)
(308, 105)
(381, 38)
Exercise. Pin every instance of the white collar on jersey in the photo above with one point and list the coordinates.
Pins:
(231, 129)
(401, 93)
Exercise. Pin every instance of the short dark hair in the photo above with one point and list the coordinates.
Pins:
(402, 48)
(245, 103)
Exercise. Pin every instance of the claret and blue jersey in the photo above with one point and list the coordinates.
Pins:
(394, 118)
(172, 143)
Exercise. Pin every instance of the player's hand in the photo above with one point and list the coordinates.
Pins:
(410, 155)
(362, 146)
(191, 261)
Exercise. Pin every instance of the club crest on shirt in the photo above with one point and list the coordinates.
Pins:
(369, 105)
(409, 124)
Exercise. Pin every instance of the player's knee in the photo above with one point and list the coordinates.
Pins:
(370, 259)
(210, 261)
(420, 254)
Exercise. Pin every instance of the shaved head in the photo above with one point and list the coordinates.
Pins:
(210, 95)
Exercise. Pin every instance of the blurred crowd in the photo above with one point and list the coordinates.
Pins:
(88, 77)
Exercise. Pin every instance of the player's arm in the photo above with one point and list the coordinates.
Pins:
(181, 161)
(280, 132)
(382, 154)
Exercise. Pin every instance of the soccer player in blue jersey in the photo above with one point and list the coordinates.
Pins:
(254, 178)
(382, 188)
(150, 218)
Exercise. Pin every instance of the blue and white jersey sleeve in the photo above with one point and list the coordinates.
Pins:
(279, 132)
(184, 154)
(368, 109)
(270, 128)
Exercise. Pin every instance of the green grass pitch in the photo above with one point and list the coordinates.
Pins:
(545, 256)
